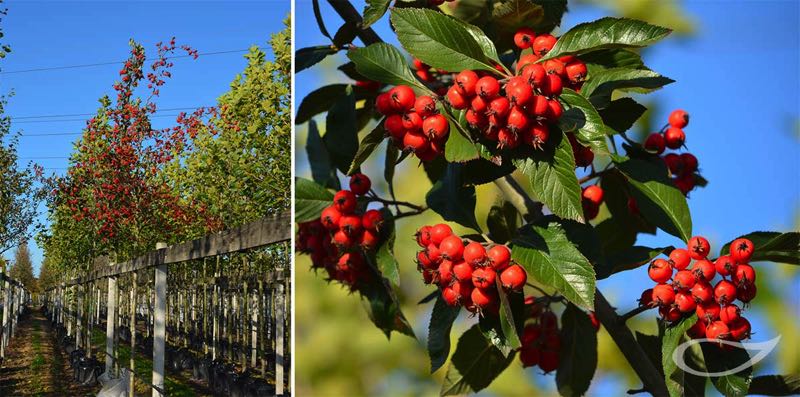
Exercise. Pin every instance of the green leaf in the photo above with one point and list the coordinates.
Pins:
(459, 148)
(452, 200)
(390, 161)
(611, 58)
(502, 222)
(599, 86)
(384, 257)
(383, 62)
(775, 385)
(481, 171)
(719, 360)
(373, 11)
(630, 258)
(549, 257)
(366, 147)
(442, 319)
(485, 42)
(346, 34)
(620, 115)
(474, 365)
(341, 132)
(307, 57)
(772, 246)
(383, 308)
(552, 176)
(309, 200)
(511, 305)
(502, 18)
(659, 201)
(440, 41)
(672, 337)
(606, 33)
(322, 99)
(321, 167)
(578, 353)
(320, 21)
(582, 119)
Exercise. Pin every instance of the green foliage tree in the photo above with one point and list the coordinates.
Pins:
(22, 269)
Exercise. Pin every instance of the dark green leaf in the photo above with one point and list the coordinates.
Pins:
(549, 257)
(582, 119)
(459, 148)
(383, 307)
(349, 70)
(320, 21)
(606, 33)
(389, 163)
(373, 11)
(719, 360)
(599, 87)
(384, 257)
(552, 176)
(502, 222)
(775, 385)
(383, 62)
(309, 200)
(480, 171)
(341, 132)
(511, 306)
(442, 319)
(502, 18)
(321, 100)
(307, 57)
(474, 365)
(772, 246)
(620, 115)
(659, 201)
(346, 34)
(322, 170)
(452, 200)
(651, 344)
(672, 337)
(366, 147)
(434, 169)
(611, 58)
(440, 41)
(578, 353)
(630, 258)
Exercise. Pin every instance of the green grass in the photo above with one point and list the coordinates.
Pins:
(38, 362)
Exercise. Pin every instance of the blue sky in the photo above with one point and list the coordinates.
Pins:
(60, 33)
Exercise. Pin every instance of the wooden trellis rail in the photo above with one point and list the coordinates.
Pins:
(14, 299)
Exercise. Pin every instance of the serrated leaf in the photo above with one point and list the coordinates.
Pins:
(390, 161)
(305, 58)
(373, 11)
(322, 99)
(383, 307)
(718, 360)
(459, 148)
(630, 258)
(309, 200)
(481, 171)
(502, 222)
(620, 115)
(606, 33)
(550, 258)
(582, 119)
(474, 365)
(775, 385)
(365, 148)
(511, 306)
(341, 131)
(552, 176)
(578, 353)
(384, 257)
(672, 337)
(599, 86)
(383, 62)
(659, 201)
(442, 318)
(440, 41)
(452, 200)
(772, 246)
(597, 61)
(322, 170)
(485, 42)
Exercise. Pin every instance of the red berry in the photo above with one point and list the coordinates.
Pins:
(372, 220)
(345, 201)
(594, 194)
(425, 106)
(474, 254)
(685, 302)
(655, 143)
(524, 37)
(434, 253)
(518, 91)
(517, 120)
(554, 66)
(402, 98)
(647, 297)
(360, 184)
(529, 356)
(534, 74)
(741, 250)
(674, 138)
(552, 85)
(663, 294)
(746, 292)
(445, 273)
(499, 257)
(744, 274)
(702, 291)
(369, 239)
(439, 232)
(342, 239)
(595, 321)
(416, 142)
(554, 111)
(576, 71)
(436, 127)
(483, 298)
(698, 247)
(423, 236)
(452, 247)
(479, 104)
(674, 163)
(684, 279)
(729, 313)
(539, 106)
(543, 43)
(456, 98)
(350, 224)
(548, 321)
(425, 262)
(689, 162)
(466, 82)
(483, 277)
(475, 119)
(462, 271)
(704, 270)
(698, 330)
(383, 104)
(670, 313)
(717, 330)
(514, 277)
(487, 87)
(725, 265)
(537, 135)
(394, 126)
(412, 121)
(678, 118)
(330, 218)
(680, 258)
(450, 296)
(660, 271)
(463, 288)
(708, 311)
(739, 329)
(548, 360)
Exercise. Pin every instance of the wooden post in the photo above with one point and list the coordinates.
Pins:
(6, 330)
(111, 307)
(254, 332)
(159, 325)
(279, 323)
(79, 324)
(131, 382)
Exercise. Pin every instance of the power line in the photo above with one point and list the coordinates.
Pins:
(69, 120)
(51, 134)
(45, 158)
(89, 65)
(92, 114)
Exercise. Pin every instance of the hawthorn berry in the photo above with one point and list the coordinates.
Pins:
(474, 254)
(425, 106)
(555, 111)
(674, 137)
(514, 277)
(483, 298)
(679, 118)
(436, 127)
(424, 261)
(423, 236)
(729, 313)
(499, 257)
(444, 274)
(518, 92)
(554, 66)
(684, 302)
(576, 71)
(552, 85)
(529, 356)
(739, 329)
(683, 279)
(746, 292)
(537, 135)
(670, 313)
(548, 321)
(462, 271)
(360, 184)
(708, 311)
(698, 330)
(674, 163)
(483, 277)
(450, 296)
(330, 218)
(725, 265)
(372, 220)
(383, 104)
(689, 162)
(369, 240)
(439, 232)
(702, 291)
(664, 294)
(342, 239)
(593, 194)
(647, 298)
(452, 247)
(524, 37)
(534, 74)
(660, 271)
(394, 126)
(412, 121)
(479, 104)
(345, 201)
(350, 224)
(717, 330)
(543, 43)
(724, 292)
(466, 81)
(415, 142)
(487, 87)
(456, 98)
(595, 321)
(704, 270)
(548, 360)
(741, 250)
(655, 143)
(680, 258)
(698, 247)
(402, 97)
(744, 274)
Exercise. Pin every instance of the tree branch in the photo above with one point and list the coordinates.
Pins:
(350, 14)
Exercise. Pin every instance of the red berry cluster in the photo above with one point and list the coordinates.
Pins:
(338, 239)
(591, 199)
(466, 273)
(690, 289)
(413, 122)
(681, 166)
(540, 338)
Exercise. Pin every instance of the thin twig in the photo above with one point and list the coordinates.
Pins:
(634, 312)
